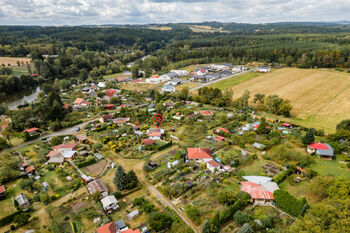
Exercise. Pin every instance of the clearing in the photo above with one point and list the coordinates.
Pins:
(13, 61)
(320, 98)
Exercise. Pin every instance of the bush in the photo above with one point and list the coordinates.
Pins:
(8, 219)
(193, 213)
(241, 217)
(160, 221)
(87, 162)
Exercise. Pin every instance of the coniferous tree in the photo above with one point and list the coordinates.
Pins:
(309, 137)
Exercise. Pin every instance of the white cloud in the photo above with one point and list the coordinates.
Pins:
(79, 12)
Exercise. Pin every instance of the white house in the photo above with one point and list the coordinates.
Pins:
(174, 82)
(168, 88)
(170, 75)
(212, 165)
(101, 84)
(132, 215)
(180, 72)
(201, 72)
(157, 80)
(263, 69)
(239, 68)
(173, 164)
(110, 203)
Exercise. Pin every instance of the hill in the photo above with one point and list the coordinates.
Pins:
(320, 98)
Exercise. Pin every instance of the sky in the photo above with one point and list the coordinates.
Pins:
(97, 12)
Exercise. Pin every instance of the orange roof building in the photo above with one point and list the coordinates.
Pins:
(202, 154)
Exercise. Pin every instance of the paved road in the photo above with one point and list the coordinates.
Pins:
(67, 131)
(218, 80)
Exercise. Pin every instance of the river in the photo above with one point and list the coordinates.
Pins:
(21, 98)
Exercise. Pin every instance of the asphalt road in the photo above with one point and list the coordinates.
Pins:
(66, 131)
(218, 80)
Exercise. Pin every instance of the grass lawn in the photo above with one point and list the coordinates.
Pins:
(6, 207)
(330, 168)
(253, 168)
(230, 82)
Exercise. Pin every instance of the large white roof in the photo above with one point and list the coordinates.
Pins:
(110, 199)
(258, 179)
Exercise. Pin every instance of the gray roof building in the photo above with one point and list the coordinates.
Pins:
(22, 201)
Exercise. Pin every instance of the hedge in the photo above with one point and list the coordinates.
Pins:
(8, 219)
(283, 175)
(75, 123)
(289, 203)
(165, 146)
(86, 163)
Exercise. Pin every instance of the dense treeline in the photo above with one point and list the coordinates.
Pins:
(12, 84)
(20, 41)
(302, 50)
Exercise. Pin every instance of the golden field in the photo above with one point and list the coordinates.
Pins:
(13, 61)
(320, 98)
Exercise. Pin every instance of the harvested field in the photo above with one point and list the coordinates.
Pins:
(96, 168)
(320, 98)
(13, 61)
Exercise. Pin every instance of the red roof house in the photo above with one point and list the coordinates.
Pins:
(319, 146)
(108, 228)
(147, 141)
(201, 154)
(30, 169)
(220, 129)
(132, 231)
(2, 189)
(32, 130)
(110, 93)
(212, 164)
(206, 113)
(78, 101)
(257, 191)
(109, 106)
(219, 138)
(66, 147)
(286, 125)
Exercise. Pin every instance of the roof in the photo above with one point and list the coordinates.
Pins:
(256, 191)
(300, 169)
(110, 199)
(204, 112)
(97, 186)
(320, 146)
(133, 213)
(258, 179)
(219, 138)
(71, 145)
(223, 130)
(213, 163)
(31, 130)
(286, 124)
(2, 188)
(56, 159)
(147, 141)
(325, 152)
(199, 153)
(132, 231)
(108, 228)
(155, 134)
(81, 138)
(121, 120)
(78, 100)
(52, 153)
(30, 169)
(22, 199)
(120, 224)
(110, 92)
(68, 154)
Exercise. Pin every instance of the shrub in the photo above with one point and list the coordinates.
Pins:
(193, 213)
(289, 203)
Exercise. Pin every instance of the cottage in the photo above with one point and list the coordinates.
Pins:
(221, 130)
(263, 69)
(155, 133)
(258, 146)
(109, 204)
(206, 113)
(32, 131)
(213, 166)
(66, 147)
(59, 159)
(153, 165)
(109, 106)
(219, 139)
(101, 84)
(22, 201)
(110, 93)
(2, 191)
(239, 68)
(120, 224)
(180, 72)
(199, 154)
(132, 215)
(260, 188)
(170, 75)
(173, 164)
(97, 186)
(69, 155)
(201, 72)
(168, 88)
(80, 139)
(175, 82)
(147, 141)
(98, 156)
(105, 118)
(30, 170)
(321, 149)
(287, 125)
(121, 120)
(107, 228)
(78, 101)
